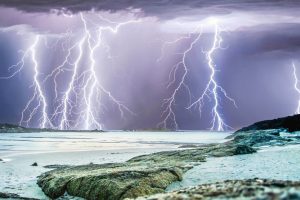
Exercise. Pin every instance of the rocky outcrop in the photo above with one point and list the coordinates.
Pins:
(280, 131)
(236, 189)
(110, 185)
(142, 175)
(258, 138)
(269, 133)
(10, 128)
(290, 123)
(4, 195)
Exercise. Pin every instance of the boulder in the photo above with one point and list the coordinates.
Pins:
(141, 175)
(4, 195)
(235, 189)
(257, 138)
(104, 182)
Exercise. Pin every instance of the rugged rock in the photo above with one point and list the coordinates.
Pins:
(291, 123)
(110, 181)
(236, 189)
(189, 146)
(10, 128)
(34, 164)
(4, 195)
(258, 138)
(269, 132)
(142, 175)
(57, 166)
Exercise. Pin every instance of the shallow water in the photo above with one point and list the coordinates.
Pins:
(282, 163)
(16, 143)
(20, 150)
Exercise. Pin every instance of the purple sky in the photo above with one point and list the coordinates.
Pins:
(261, 39)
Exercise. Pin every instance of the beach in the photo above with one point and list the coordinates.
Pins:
(20, 150)
(280, 163)
(118, 165)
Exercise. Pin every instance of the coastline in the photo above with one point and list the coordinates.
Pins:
(152, 174)
(155, 173)
(89, 147)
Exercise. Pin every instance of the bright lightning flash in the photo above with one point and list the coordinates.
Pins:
(37, 102)
(296, 87)
(86, 84)
(93, 80)
(212, 89)
(168, 113)
(80, 105)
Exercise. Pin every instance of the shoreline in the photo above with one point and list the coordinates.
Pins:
(152, 174)
(264, 149)
(117, 152)
(148, 174)
(275, 162)
(190, 188)
(26, 179)
(16, 143)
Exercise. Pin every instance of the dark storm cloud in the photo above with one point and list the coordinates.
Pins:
(165, 8)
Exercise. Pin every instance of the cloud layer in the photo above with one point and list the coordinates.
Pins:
(165, 8)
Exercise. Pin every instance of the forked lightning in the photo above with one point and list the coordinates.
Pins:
(79, 106)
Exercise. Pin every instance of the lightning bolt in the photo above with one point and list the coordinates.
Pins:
(85, 85)
(66, 101)
(38, 96)
(38, 88)
(93, 79)
(168, 113)
(79, 106)
(296, 87)
(212, 90)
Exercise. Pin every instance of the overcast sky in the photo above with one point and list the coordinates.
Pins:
(261, 40)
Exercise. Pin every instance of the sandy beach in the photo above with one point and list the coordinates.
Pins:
(20, 151)
(280, 163)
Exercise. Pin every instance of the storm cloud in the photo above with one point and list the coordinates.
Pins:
(162, 9)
